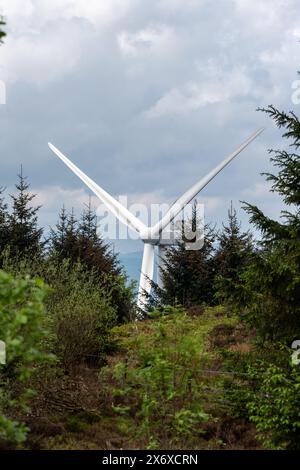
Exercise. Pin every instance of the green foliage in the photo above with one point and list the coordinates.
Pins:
(161, 385)
(269, 292)
(4, 223)
(268, 297)
(63, 236)
(24, 236)
(75, 424)
(2, 33)
(79, 241)
(274, 405)
(89, 290)
(263, 387)
(188, 275)
(81, 314)
(159, 392)
(209, 274)
(80, 309)
(122, 296)
(233, 254)
(22, 317)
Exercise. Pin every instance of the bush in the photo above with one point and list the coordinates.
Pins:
(159, 385)
(264, 389)
(81, 314)
(81, 309)
(274, 405)
(22, 330)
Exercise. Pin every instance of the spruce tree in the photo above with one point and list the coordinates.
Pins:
(58, 236)
(91, 249)
(2, 33)
(188, 275)
(24, 234)
(233, 254)
(88, 227)
(4, 216)
(286, 183)
(72, 237)
(271, 291)
(97, 256)
(80, 242)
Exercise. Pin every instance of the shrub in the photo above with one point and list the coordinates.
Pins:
(274, 405)
(81, 314)
(263, 387)
(159, 386)
(81, 309)
(22, 316)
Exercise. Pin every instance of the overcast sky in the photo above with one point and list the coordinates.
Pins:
(145, 96)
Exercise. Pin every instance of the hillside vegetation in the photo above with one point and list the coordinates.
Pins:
(162, 388)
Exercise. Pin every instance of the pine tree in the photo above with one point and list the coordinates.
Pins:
(91, 249)
(58, 236)
(88, 227)
(80, 241)
(2, 33)
(286, 183)
(71, 237)
(232, 256)
(24, 234)
(4, 216)
(188, 275)
(271, 293)
(96, 255)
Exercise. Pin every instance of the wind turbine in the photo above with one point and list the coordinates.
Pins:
(151, 236)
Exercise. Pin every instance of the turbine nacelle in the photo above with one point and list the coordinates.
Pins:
(148, 235)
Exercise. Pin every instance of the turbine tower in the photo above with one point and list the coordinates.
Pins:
(151, 236)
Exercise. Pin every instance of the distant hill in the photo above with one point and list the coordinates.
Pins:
(132, 263)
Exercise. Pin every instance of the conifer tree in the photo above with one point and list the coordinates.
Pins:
(91, 249)
(188, 275)
(2, 33)
(24, 234)
(88, 226)
(96, 255)
(71, 236)
(232, 256)
(58, 236)
(3, 222)
(286, 183)
(271, 290)
(80, 241)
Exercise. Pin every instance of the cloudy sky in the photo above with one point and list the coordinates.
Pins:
(145, 96)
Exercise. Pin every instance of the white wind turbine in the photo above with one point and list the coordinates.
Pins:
(151, 236)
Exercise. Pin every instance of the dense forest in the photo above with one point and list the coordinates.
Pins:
(210, 365)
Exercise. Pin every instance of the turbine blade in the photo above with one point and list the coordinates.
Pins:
(113, 205)
(178, 206)
(146, 275)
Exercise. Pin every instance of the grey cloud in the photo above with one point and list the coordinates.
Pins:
(94, 105)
